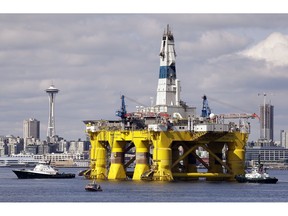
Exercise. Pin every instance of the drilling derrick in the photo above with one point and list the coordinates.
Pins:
(168, 88)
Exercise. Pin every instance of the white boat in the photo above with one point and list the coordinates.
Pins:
(41, 170)
(258, 174)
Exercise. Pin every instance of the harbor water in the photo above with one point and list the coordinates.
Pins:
(72, 190)
(14, 190)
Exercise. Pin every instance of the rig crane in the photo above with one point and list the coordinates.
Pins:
(238, 115)
(122, 113)
(206, 111)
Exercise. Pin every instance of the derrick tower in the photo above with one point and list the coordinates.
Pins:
(51, 91)
(168, 86)
(168, 90)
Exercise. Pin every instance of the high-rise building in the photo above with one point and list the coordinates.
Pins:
(51, 91)
(266, 122)
(31, 131)
(266, 125)
(284, 139)
(31, 128)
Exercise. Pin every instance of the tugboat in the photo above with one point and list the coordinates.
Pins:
(42, 170)
(258, 174)
(93, 187)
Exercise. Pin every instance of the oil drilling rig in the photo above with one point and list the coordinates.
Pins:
(163, 141)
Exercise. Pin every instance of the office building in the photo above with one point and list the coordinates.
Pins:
(266, 125)
(31, 128)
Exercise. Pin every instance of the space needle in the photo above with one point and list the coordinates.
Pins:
(51, 91)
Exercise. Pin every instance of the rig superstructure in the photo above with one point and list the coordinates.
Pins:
(163, 141)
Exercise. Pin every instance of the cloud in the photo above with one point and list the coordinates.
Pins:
(273, 50)
(94, 58)
(213, 43)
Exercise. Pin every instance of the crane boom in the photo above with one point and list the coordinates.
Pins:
(206, 111)
(238, 115)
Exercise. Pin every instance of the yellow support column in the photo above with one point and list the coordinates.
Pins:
(236, 154)
(92, 154)
(142, 153)
(117, 170)
(100, 170)
(162, 157)
(98, 154)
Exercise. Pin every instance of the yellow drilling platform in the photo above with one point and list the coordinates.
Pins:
(168, 141)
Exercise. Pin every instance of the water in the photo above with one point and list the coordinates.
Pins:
(13, 189)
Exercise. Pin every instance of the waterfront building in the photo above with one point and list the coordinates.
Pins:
(14, 145)
(18, 160)
(63, 145)
(43, 148)
(284, 139)
(31, 149)
(2, 150)
(268, 154)
(78, 147)
(3, 145)
(10, 145)
(59, 157)
(12, 152)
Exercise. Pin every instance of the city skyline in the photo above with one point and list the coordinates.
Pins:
(95, 59)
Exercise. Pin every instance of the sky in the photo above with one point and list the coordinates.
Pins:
(94, 58)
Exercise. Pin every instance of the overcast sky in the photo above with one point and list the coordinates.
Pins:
(94, 58)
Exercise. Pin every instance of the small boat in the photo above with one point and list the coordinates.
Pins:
(258, 174)
(93, 187)
(85, 173)
(41, 170)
